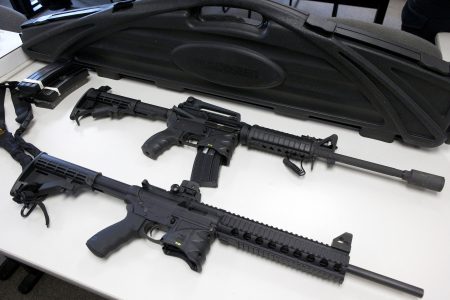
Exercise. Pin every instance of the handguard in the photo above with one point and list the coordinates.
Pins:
(308, 148)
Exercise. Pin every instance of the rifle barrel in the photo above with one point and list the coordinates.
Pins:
(414, 177)
(387, 281)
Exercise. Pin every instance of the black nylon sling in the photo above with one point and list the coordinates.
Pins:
(15, 145)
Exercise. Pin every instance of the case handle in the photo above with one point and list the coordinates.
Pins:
(269, 10)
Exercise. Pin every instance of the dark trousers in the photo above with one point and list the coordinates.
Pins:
(426, 18)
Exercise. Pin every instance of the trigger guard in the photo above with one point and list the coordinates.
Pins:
(145, 231)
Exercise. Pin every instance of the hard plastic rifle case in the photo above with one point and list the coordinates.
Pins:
(385, 83)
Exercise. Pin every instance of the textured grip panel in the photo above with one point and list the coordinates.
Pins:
(278, 142)
(112, 237)
(286, 248)
(161, 142)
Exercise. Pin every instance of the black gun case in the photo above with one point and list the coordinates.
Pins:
(385, 83)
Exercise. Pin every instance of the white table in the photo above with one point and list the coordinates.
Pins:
(10, 43)
(443, 42)
(399, 231)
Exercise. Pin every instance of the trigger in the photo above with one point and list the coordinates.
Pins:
(147, 231)
(176, 252)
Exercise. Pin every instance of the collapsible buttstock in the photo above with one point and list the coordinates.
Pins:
(161, 142)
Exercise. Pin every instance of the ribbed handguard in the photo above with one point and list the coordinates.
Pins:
(276, 142)
(286, 248)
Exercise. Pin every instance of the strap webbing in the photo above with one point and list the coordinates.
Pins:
(14, 144)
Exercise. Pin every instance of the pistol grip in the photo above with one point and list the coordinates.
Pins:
(112, 237)
(161, 142)
(206, 167)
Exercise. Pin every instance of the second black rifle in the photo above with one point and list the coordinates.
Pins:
(216, 131)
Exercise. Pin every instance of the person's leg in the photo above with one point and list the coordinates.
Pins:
(426, 18)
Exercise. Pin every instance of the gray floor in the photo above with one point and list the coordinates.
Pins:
(5, 3)
(49, 287)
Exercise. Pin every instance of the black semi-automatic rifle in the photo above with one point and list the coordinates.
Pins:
(216, 132)
(189, 225)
